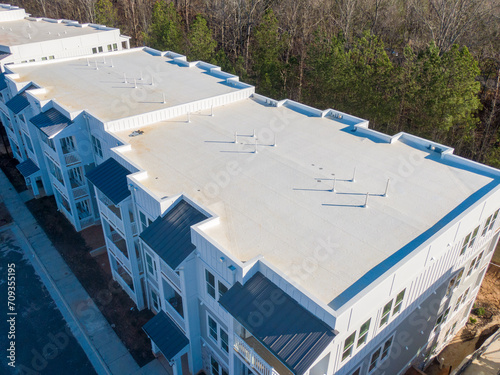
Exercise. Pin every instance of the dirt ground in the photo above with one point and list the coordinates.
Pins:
(472, 336)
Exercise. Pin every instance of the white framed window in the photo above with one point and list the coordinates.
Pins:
(474, 235)
(224, 340)
(399, 302)
(479, 259)
(145, 221)
(465, 244)
(110, 48)
(222, 289)
(348, 346)
(213, 329)
(216, 368)
(486, 225)
(94, 50)
(96, 145)
(493, 220)
(155, 300)
(381, 354)
(150, 264)
(210, 283)
(100, 49)
(115, 47)
(357, 371)
(480, 277)
(386, 312)
(472, 266)
(51, 57)
(363, 333)
(441, 318)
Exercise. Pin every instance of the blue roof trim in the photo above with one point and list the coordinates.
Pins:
(288, 330)
(110, 178)
(20, 101)
(166, 335)
(399, 255)
(51, 122)
(27, 168)
(170, 236)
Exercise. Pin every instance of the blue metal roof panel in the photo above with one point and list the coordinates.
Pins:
(51, 122)
(170, 236)
(166, 335)
(20, 101)
(292, 333)
(27, 168)
(110, 178)
(3, 83)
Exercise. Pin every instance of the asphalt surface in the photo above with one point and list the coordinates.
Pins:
(43, 341)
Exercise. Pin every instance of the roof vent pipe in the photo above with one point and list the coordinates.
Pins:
(96, 67)
(255, 151)
(366, 200)
(275, 144)
(334, 181)
(387, 187)
(354, 175)
(235, 137)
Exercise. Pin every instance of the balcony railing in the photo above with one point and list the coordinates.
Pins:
(80, 192)
(86, 222)
(71, 158)
(170, 275)
(252, 358)
(110, 213)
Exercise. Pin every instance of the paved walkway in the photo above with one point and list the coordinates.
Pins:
(104, 349)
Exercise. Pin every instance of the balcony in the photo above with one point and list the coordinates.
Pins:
(170, 275)
(111, 213)
(247, 350)
(119, 243)
(71, 158)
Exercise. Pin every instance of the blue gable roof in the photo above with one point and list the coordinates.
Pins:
(170, 236)
(288, 330)
(51, 122)
(110, 178)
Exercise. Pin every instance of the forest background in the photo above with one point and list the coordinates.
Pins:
(427, 67)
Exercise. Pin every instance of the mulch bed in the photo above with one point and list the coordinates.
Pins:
(113, 302)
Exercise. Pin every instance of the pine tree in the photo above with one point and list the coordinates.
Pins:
(268, 47)
(165, 31)
(105, 13)
(201, 42)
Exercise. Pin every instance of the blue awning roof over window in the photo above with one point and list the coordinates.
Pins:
(292, 333)
(170, 236)
(20, 101)
(110, 178)
(166, 335)
(51, 122)
(27, 168)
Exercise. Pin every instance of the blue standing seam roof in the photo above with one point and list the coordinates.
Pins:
(170, 236)
(110, 178)
(20, 101)
(166, 335)
(27, 168)
(51, 122)
(292, 333)
(3, 83)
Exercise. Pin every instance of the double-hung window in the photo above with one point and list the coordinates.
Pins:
(363, 333)
(386, 312)
(348, 346)
(399, 302)
(210, 283)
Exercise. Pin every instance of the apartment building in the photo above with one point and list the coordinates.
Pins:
(29, 39)
(268, 237)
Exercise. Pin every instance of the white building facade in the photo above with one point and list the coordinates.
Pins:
(268, 237)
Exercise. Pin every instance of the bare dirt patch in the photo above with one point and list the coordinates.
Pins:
(486, 313)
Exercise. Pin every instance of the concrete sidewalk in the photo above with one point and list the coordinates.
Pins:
(104, 349)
